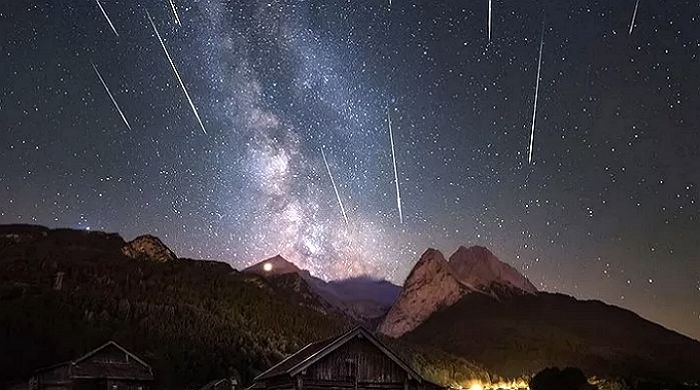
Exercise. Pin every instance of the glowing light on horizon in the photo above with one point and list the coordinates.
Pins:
(267, 267)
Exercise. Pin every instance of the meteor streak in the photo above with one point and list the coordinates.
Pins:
(335, 188)
(396, 172)
(177, 18)
(187, 95)
(489, 20)
(537, 91)
(634, 16)
(111, 97)
(107, 17)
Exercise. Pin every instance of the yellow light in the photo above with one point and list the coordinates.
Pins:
(476, 386)
(267, 267)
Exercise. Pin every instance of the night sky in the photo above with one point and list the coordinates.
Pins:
(607, 208)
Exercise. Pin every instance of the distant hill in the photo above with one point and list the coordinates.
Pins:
(364, 299)
(476, 307)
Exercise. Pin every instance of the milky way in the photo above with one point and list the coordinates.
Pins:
(230, 167)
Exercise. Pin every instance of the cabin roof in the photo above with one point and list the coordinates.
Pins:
(82, 367)
(214, 383)
(314, 352)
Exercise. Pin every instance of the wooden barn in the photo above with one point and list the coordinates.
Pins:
(355, 360)
(109, 367)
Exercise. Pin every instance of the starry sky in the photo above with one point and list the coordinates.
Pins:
(208, 125)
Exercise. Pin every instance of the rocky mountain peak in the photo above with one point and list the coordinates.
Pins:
(148, 247)
(276, 265)
(429, 287)
(478, 267)
(435, 283)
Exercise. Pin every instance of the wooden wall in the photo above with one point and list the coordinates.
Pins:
(358, 361)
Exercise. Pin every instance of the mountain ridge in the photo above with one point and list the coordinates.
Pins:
(347, 296)
(479, 308)
(182, 315)
(434, 283)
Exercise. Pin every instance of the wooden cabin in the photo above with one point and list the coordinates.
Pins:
(355, 360)
(109, 367)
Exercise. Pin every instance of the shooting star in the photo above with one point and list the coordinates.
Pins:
(537, 91)
(489, 21)
(634, 16)
(107, 17)
(177, 18)
(335, 188)
(126, 122)
(187, 95)
(396, 172)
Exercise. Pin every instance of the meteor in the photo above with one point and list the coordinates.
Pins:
(396, 172)
(111, 97)
(537, 90)
(107, 17)
(335, 188)
(489, 20)
(177, 18)
(634, 16)
(177, 74)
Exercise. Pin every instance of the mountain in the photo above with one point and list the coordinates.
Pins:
(63, 292)
(276, 265)
(479, 268)
(435, 283)
(294, 283)
(480, 309)
(367, 299)
(363, 298)
(430, 286)
(526, 333)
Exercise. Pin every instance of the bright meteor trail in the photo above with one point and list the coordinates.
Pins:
(177, 18)
(489, 20)
(107, 17)
(335, 188)
(634, 16)
(111, 97)
(187, 95)
(396, 172)
(537, 91)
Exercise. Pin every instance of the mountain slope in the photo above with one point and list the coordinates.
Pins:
(478, 267)
(63, 292)
(525, 333)
(481, 309)
(362, 298)
(429, 287)
(434, 283)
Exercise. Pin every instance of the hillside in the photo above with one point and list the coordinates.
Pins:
(63, 292)
(366, 300)
(525, 333)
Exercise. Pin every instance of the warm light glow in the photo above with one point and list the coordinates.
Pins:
(512, 384)
(267, 267)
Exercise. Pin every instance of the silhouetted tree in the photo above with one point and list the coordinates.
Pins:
(553, 378)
